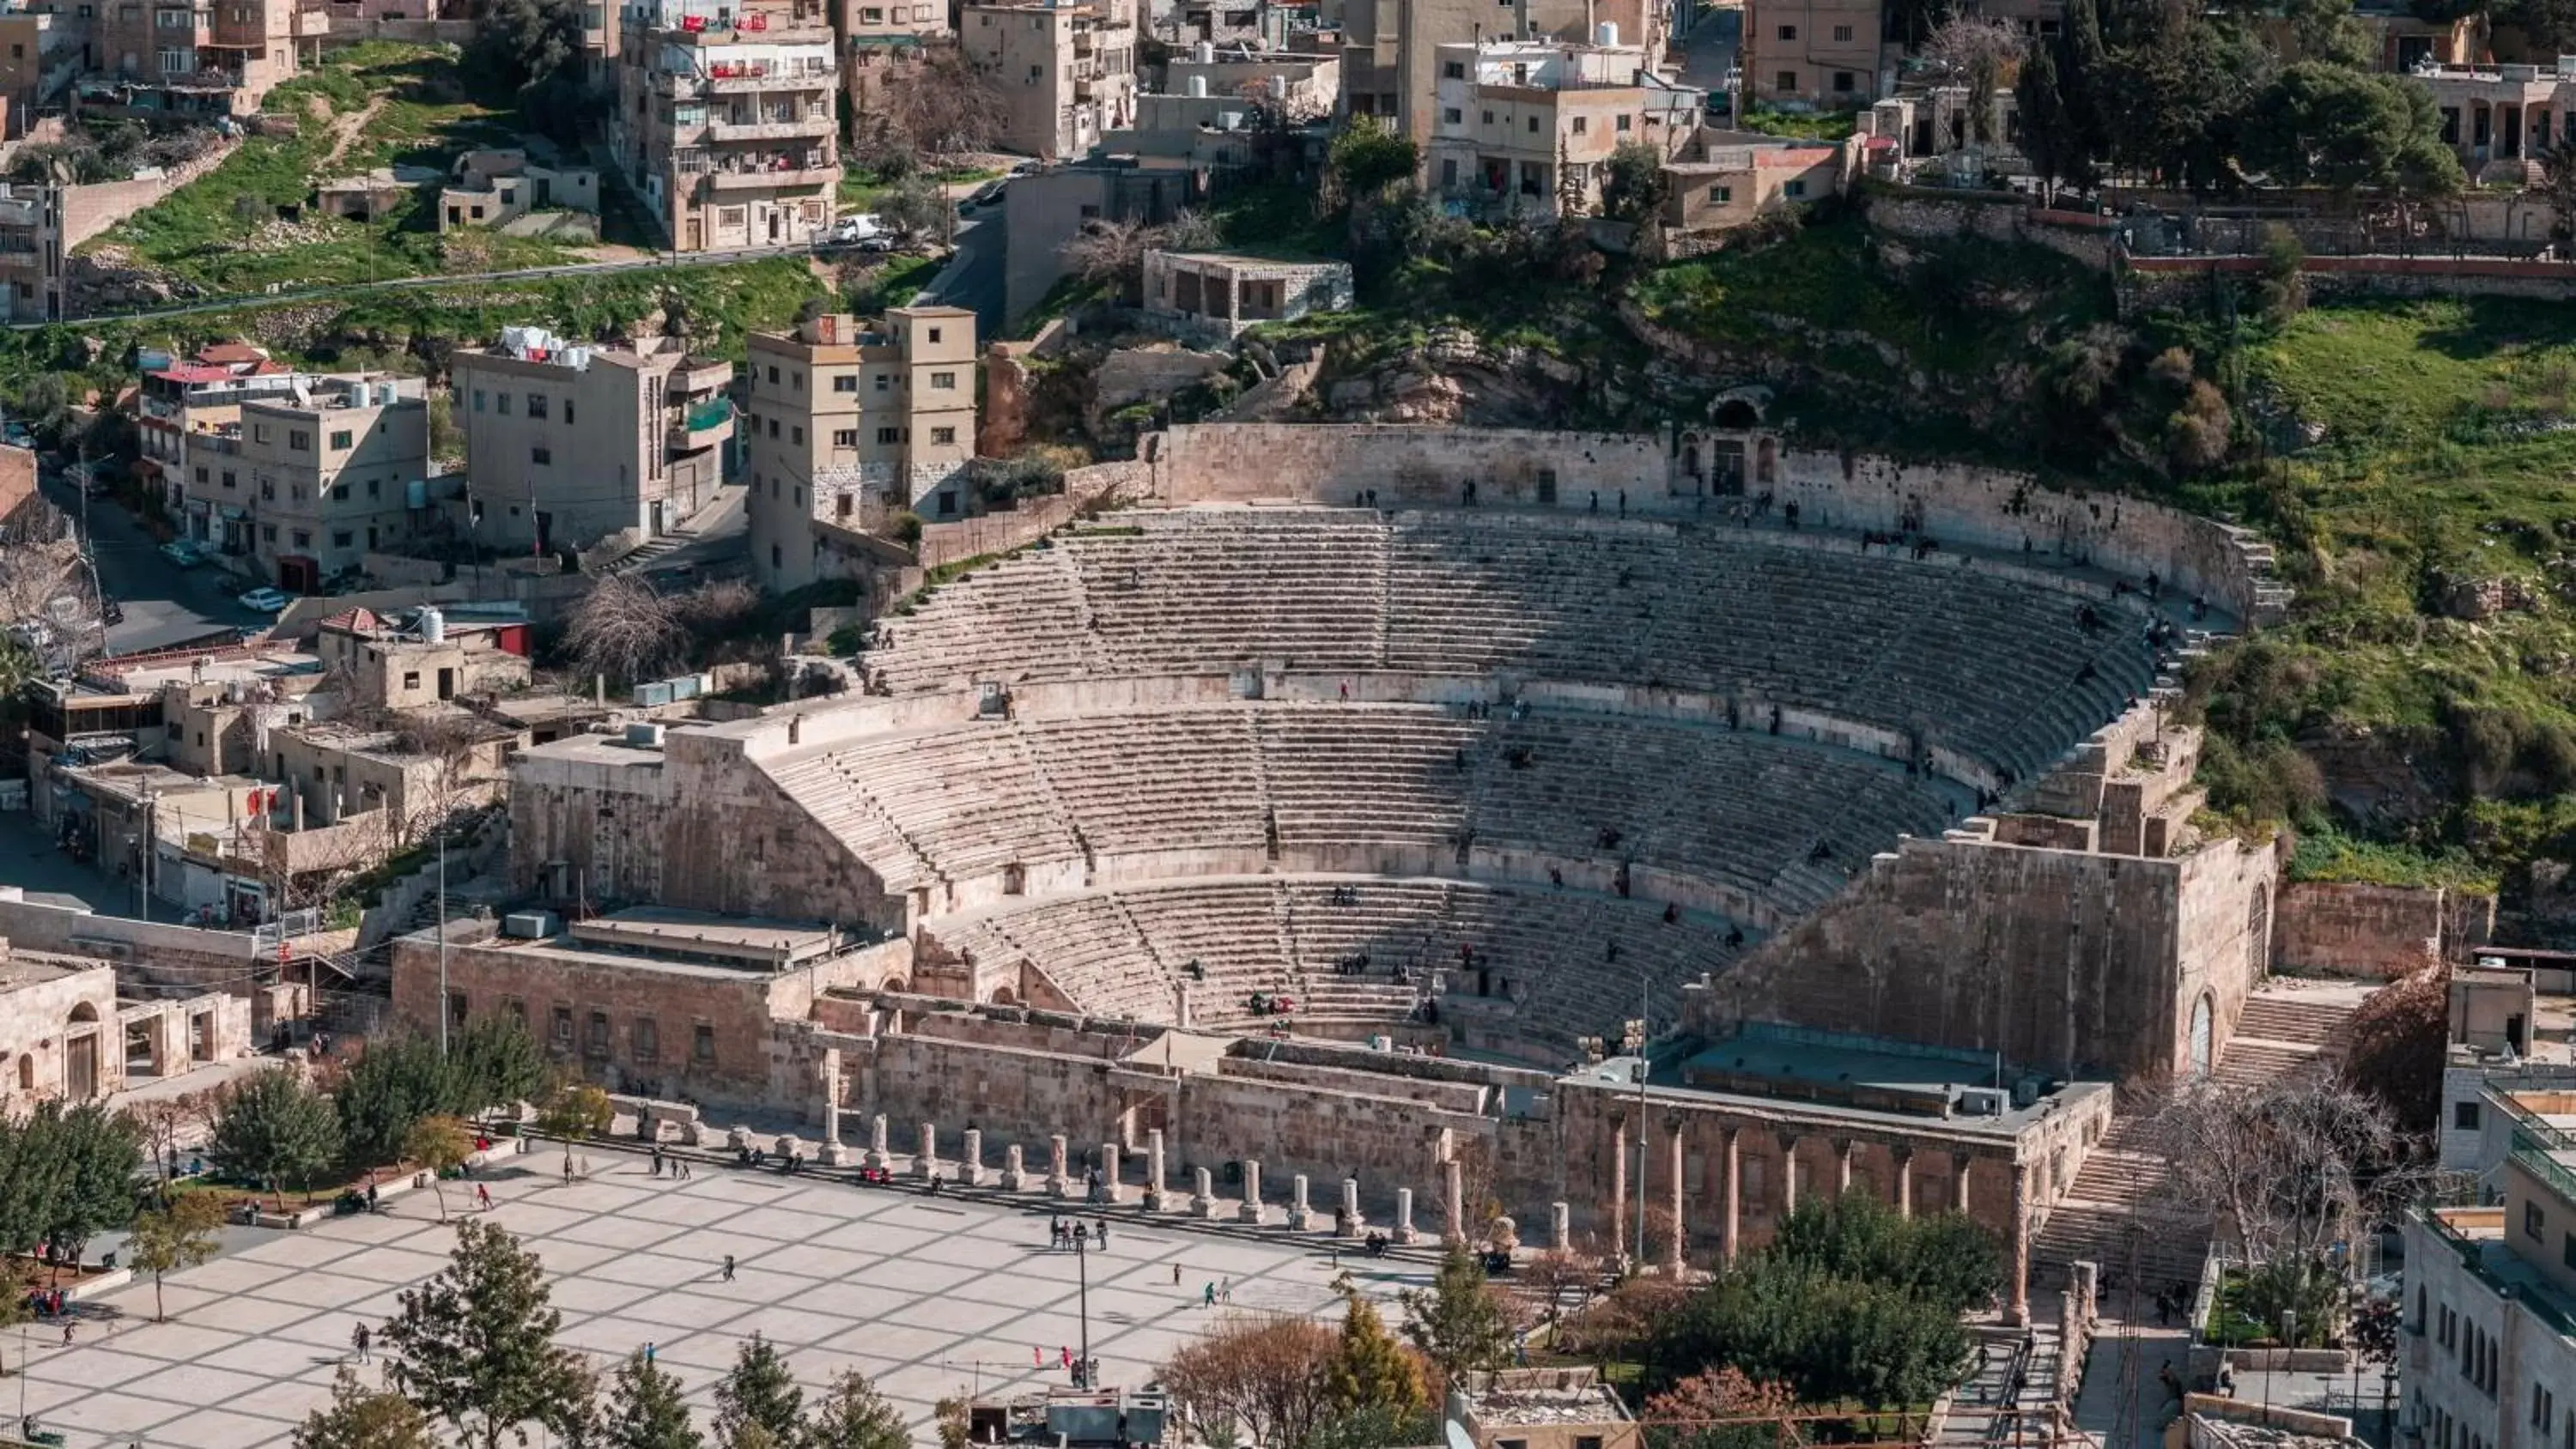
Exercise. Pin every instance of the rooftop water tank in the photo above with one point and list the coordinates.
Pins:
(1204, 52)
(1606, 33)
(433, 627)
(1198, 86)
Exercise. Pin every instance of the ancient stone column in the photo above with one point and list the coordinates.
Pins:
(1057, 1184)
(1681, 1228)
(1730, 1224)
(1788, 1174)
(1111, 1190)
(1300, 1216)
(970, 1167)
(1843, 1166)
(926, 1165)
(2018, 1313)
(1904, 1181)
(1453, 1197)
(1203, 1201)
(1251, 1211)
(1154, 1169)
(1959, 1181)
(1619, 1191)
(1560, 1226)
(1404, 1232)
(834, 1154)
(878, 1157)
(1014, 1174)
(1352, 1223)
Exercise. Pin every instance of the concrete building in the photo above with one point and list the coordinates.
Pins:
(1548, 1408)
(41, 54)
(1527, 127)
(199, 59)
(569, 444)
(1043, 212)
(1066, 72)
(1305, 84)
(1207, 297)
(1390, 48)
(67, 1035)
(724, 121)
(2487, 1355)
(499, 186)
(1723, 180)
(31, 252)
(1811, 53)
(883, 46)
(331, 469)
(427, 661)
(849, 423)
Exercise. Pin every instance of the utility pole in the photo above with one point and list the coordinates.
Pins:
(1082, 1275)
(1644, 1031)
(443, 1012)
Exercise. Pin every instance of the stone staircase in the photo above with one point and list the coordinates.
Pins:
(2110, 1214)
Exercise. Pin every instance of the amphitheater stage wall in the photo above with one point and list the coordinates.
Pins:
(694, 826)
(1239, 462)
(2373, 932)
(2080, 964)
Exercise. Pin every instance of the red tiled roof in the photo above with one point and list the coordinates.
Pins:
(361, 620)
(231, 352)
(195, 372)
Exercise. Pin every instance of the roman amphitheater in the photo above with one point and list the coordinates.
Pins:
(1326, 806)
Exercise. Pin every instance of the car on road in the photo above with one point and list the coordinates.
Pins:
(183, 553)
(267, 601)
(1028, 168)
(990, 193)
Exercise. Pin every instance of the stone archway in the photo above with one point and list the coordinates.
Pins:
(2199, 1050)
(1005, 996)
(81, 1054)
(2258, 933)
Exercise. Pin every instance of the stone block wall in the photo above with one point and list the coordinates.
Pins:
(1406, 465)
(2372, 932)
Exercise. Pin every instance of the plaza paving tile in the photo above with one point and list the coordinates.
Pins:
(927, 1297)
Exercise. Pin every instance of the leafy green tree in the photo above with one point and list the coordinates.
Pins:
(395, 1084)
(575, 1111)
(1368, 158)
(851, 1414)
(645, 1410)
(498, 1063)
(475, 1345)
(916, 208)
(93, 1155)
(275, 1129)
(521, 43)
(759, 1392)
(1370, 1369)
(168, 1239)
(441, 1145)
(2322, 125)
(1632, 182)
(364, 1418)
(1460, 1322)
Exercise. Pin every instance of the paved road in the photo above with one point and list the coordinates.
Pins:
(973, 276)
(164, 605)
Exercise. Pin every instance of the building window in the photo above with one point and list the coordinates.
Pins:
(888, 435)
(478, 399)
(1533, 125)
(1721, 195)
(1582, 125)
(884, 382)
(845, 437)
(2535, 1223)
(1842, 35)
(947, 380)
(1452, 116)
(411, 679)
(1794, 190)
(648, 1039)
(1788, 32)
(2464, 1116)
(934, 334)
(341, 438)
(567, 411)
(943, 437)
(562, 1028)
(702, 1042)
(228, 477)
(1453, 70)
(542, 455)
(2567, 1251)
(517, 1011)
(341, 538)
(1786, 80)
(303, 538)
(299, 440)
(845, 382)
(339, 492)
(1617, 123)
(501, 403)
(796, 435)
(598, 1045)
(375, 488)
(537, 406)
(1845, 83)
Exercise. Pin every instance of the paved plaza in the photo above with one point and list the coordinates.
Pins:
(927, 1296)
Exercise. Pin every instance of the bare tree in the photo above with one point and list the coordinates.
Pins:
(942, 110)
(1978, 55)
(1264, 1374)
(625, 630)
(2283, 1169)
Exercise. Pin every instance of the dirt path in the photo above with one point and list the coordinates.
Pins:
(345, 129)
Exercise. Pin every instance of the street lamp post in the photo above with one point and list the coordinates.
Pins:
(1082, 1280)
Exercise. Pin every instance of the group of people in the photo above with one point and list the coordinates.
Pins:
(678, 1167)
(1264, 1003)
(1071, 1235)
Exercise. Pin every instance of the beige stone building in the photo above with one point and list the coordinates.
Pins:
(197, 59)
(724, 122)
(1527, 127)
(1204, 296)
(1066, 73)
(66, 1035)
(430, 660)
(883, 45)
(1390, 48)
(498, 186)
(41, 53)
(1811, 52)
(1722, 181)
(568, 444)
(31, 252)
(849, 422)
(332, 469)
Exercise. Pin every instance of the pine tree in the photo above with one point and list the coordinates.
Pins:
(645, 1410)
(759, 1391)
(853, 1415)
(1459, 1323)
(1370, 1370)
(475, 1345)
(364, 1418)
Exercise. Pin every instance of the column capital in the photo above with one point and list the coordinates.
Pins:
(1903, 1152)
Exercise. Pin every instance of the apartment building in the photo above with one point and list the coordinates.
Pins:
(1811, 52)
(336, 467)
(883, 43)
(2487, 1356)
(849, 422)
(568, 443)
(1390, 48)
(186, 411)
(41, 54)
(31, 252)
(725, 122)
(1526, 127)
(1066, 72)
(199, 58)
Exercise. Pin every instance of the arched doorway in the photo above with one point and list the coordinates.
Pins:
(1005, 996)
(80, 1053)
(2258, 934)
(2202, 1028)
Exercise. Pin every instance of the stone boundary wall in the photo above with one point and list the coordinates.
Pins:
(2374, 932)
(1934, 215)
(62, 930)
(2146, 283)
(1091, 487)
(89, 210)
(1241, 462)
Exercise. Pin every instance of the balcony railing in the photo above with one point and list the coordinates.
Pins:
(773, 128)
(780, 171)
(703, 426)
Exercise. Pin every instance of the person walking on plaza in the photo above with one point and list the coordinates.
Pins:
(728, 1268)
(648, 1353)
(1208, 1295)
(360, 1340)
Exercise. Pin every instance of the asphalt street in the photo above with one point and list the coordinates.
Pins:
(165, 605)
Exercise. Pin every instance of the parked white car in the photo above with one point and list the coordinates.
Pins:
(267, 601)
